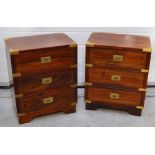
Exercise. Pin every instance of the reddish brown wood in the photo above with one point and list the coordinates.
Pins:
(30, 89)
(100, 53)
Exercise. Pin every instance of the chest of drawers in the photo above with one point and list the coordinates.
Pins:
(44, 71)
(117, 67)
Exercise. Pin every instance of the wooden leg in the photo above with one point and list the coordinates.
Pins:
(24, 119)
(91, 107)
(136, 112)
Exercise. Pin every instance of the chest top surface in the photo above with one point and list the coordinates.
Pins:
(119, 40)
(39, 41)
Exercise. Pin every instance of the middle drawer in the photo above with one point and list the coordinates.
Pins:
(122, 78)
(41, 83)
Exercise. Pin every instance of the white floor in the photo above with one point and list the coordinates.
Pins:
(82, 118)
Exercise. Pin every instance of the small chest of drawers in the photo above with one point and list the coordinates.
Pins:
(44, 73)
(117, 67)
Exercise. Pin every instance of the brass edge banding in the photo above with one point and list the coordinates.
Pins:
(88, 101)
(19, 95)
(16, 75)
(73, 45)
(89, 65)
(22, 114)
(89, 44)
(73, 104)
(147, 50)
(73, 66)
(139, 107)
(142, 89)
(73, 85)
(88, 84)
(144, 70)
(13, 52)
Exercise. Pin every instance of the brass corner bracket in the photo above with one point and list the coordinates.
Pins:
(147, 49)
(73, 66)
(89, 65)
(88, 84)
(16, 75)
(88, 101)
(13, 52)
(89, 44)
(142, 89)
(73, 45)
(139, 107)
(144, 70)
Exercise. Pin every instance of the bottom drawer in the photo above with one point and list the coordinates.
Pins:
(114, 97)
(44, 100)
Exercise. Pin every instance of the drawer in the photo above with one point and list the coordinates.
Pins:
(116, 77)
(117, 97)
(129, 59)
(41, 83)
(37, 62)
(43, 100)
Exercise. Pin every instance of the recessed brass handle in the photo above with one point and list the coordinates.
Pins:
(48, 100)
(115, 77)
(46, 59)
(47, 80)
(118, 58)
(114, 96)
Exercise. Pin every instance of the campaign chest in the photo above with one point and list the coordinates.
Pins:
(44, 71)
(117, 67)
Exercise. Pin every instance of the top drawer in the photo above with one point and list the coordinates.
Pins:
(120, 58)
(41, 61)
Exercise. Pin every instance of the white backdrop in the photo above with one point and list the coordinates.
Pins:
(78, 34)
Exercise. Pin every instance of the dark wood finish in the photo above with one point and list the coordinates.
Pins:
(126, 71)
(48, 74)
(116, 77)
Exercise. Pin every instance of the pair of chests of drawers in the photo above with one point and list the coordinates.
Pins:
(44, 78)
(116, 76)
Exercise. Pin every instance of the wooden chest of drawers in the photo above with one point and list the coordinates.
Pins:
(117, 69)
(45, 74)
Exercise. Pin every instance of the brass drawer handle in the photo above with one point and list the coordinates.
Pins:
(48, 100)
(46, 59)
(115, 77)
(114, 96)
(118, 58)
(47, 80)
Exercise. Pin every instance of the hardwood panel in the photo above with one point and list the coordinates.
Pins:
(116, 77)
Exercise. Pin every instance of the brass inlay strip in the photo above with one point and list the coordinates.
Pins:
(144, 70)
(13, 52)
(19, 95)
(73, 45)
(88, 101)
(89, 65)
(142, 89)
(88, 84)
(16, 75)
(89, 44)
(147, 50)
(73, 66)
(139, 107)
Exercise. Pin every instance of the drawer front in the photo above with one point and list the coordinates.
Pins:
(114, 96)
(43, 83)
(116, 77)
(136, 60)
(32, 63)
(43, 100)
